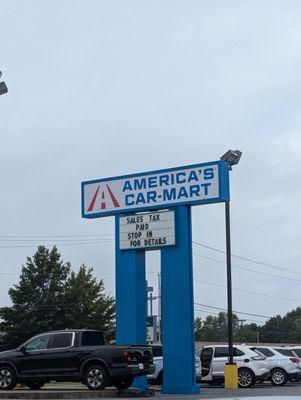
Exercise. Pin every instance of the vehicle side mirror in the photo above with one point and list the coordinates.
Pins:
(23, 349)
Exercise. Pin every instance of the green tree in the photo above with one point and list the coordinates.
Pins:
(49, 296)
(91, 306)
(214, 329)
(198, 329)
(273, 330)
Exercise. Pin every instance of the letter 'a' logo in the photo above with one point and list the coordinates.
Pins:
(103, 203)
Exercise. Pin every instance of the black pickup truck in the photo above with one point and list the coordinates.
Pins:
(76, 356)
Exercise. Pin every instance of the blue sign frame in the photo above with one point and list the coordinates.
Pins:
(224, 192)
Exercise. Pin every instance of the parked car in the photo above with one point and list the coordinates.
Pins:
(283, 363)
(156, 378)
(297, 351)
(73, 355)
(252, 367)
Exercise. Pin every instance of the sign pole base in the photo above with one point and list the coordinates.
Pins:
(231, 376)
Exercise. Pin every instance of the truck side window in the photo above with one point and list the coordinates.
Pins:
(38, 343)
(92, 339)
(61, 340)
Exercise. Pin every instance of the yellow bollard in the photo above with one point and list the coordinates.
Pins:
(231, 377)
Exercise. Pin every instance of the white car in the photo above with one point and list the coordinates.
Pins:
(297, 351)
(252, 367)
(283, 362)
(156, 378)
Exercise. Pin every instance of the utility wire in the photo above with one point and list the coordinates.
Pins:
(249, 291)
(249, 259)
(58, 244)
(56, 236)
(55, 240)
(217, 314)
(237, 312)
(249, 269)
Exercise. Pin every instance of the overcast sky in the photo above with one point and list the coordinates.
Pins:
(104, 88)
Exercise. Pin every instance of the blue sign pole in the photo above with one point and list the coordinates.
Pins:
(131, 299)
(178, 310)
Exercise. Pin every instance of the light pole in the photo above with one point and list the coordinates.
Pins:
(3, 87)
(232, 157)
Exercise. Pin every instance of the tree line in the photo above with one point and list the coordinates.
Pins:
(278, 329)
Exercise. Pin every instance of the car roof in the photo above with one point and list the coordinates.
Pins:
(282, 347)
(226, 345)
(273, 347)
(67, 331)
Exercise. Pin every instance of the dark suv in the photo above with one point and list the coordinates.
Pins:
(73, 355)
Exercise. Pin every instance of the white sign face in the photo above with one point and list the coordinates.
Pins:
(149, 230)
(196, 184)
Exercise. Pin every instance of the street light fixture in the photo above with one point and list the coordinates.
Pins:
(3, 87)
(232, 157)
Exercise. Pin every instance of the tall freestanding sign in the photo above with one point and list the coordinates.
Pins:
(138, 201)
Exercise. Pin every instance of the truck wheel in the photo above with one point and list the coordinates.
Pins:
(96, 377)
(8, 379)
(35, 385)
(124, 383)
(278, 377)
(246, 378)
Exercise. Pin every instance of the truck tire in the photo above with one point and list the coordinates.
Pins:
(8, 378)
(278, 377)
(123, 383)
(246, 378)
(35, 385)
(96, 377)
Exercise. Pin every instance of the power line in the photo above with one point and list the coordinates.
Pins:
(249, 259)
(58, 275)
(58, 244)
(249, 269)
(217, 314)
(237, 312)
(56, 236)
(53, 240)
(249, 291)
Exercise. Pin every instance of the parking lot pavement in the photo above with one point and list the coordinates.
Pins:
(292, 391)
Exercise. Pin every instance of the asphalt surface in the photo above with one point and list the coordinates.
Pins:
(291, 391)
(219, 392)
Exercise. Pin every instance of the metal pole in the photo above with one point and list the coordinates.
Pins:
(151, 303)
(229, 283)
(159, 308)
